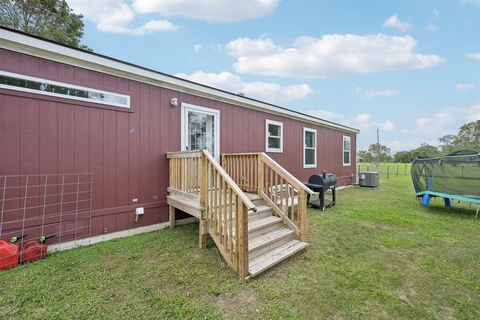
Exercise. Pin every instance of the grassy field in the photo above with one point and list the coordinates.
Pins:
(377, 254)
(386, 169)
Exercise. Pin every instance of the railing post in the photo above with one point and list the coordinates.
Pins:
(203, 227)
(302, 214)
(242, 239)
(261, 174)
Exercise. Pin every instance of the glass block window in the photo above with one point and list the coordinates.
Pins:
(29, 84)
(346, 151)
(309, 148)
(274, 136)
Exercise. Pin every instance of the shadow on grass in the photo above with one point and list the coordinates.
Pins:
(457, 212)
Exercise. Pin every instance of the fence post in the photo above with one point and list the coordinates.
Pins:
(405, 169)
(242, 239)
(261, 175)
(397, 168)
(302, 214)
(203, 228)
(388, 171)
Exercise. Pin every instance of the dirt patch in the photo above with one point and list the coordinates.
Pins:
(237, 306)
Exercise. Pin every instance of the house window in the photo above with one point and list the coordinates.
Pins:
(28, 84)
(309, 148)
(346, 151)
(274, 136)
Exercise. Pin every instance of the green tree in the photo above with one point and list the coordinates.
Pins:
(381, 151)
(365, 156)
(404, 156)
(468, 138)
(426, 150)
(50, 19)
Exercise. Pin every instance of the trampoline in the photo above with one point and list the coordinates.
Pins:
(452, 177)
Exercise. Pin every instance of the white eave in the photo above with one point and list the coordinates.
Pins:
(31, 45)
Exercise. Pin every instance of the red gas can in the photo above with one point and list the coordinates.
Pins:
(33, 251)
(8, 255)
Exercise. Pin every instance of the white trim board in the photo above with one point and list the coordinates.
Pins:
(115, 235)
(22, 43)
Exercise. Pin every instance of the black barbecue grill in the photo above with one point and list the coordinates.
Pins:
(321, 183)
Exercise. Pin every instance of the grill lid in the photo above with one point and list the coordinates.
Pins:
(325, 179)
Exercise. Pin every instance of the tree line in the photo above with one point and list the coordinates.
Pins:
(50, 19)
(467, 138)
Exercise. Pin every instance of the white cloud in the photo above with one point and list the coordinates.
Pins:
(465, 87)
(373, 93)
(362, 121)
(154, 25)
(435, 13)
(395, 23)
(445, 121)
(250, 47)
(473, 55)
(197, 47)
(209, 10)
(431, 27)
(329, 55)
(116, 16)
(265, 91)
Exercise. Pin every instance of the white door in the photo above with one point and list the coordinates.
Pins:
(200, 129)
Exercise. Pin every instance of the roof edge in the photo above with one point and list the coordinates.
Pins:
(18, 41)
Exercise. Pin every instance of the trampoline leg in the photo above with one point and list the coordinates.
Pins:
(478, 209)
(448, 202)
(425, 199)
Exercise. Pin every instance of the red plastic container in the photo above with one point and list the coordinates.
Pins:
(33, 251)
(8, 255)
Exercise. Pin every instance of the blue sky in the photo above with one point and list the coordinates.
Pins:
(409, 68)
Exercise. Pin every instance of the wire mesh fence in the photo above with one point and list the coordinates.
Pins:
(386, 170)
(58, 206)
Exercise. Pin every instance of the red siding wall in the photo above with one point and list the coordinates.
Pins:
(125, 150)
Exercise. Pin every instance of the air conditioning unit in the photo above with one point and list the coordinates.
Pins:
(368, 179)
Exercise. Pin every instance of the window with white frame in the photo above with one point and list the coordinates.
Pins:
(346, 151)
(309, 148)
(35, 85)
(274, 136)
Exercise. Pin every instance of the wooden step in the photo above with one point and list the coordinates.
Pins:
(262, 224)
(263, 211)
(267, 260)
(268, 241)
(255, 198)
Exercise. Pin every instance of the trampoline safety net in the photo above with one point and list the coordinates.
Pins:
(455, 174)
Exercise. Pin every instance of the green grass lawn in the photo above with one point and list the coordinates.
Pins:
(376, 254)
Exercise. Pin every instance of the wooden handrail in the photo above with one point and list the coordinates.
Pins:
(184, 154)
(229, 181)
(285, 194)
(285, 174)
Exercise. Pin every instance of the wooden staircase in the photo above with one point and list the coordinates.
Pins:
(270, 241)
(252, 208)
